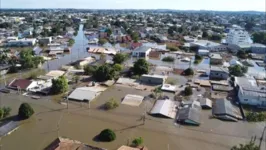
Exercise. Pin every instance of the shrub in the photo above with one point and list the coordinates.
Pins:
(111, 104)
(188, 91)
(117, 67)
(137, 141)
(6, 111)
(107, 135)
(168, 59)
(255, 116)
(189, 72)
(25, 111)
(196, 61)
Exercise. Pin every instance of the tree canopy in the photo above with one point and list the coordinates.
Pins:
(59, 85)
(137, 142)
(25, 111)
(71, 42)
(238, 70)
(103, 73)
(28, 61)
(102, 41)
(107, 135)
(140, 67)
(259, 37)
(119, 58)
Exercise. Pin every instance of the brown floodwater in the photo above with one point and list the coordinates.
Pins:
(83, 124)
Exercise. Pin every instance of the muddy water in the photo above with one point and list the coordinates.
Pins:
(84, 124)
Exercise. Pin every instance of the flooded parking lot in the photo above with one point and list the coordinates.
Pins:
(83, 124)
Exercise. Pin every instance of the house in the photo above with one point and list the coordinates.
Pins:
(153, 79)
(166, 108)
(4, 69)
(45, 40)
(86, 93)
(189, 114)
(209, 45)
(219, 73)
(216, 59)
(55, 73)
(22, 84)
(258, 48)
(250, 93)
(21, 42)
(141, 52)
(68, 144)
(224, 110)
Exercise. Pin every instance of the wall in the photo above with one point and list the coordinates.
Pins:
(219, 75)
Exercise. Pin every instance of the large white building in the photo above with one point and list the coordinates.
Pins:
(250, 93)
(238, 37)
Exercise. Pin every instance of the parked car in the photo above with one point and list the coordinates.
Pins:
(4, 90)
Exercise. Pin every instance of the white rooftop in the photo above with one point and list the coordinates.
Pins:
(166, 108)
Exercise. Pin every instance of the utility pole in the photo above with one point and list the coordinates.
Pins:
(58, 124)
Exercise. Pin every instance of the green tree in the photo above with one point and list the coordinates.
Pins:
(6, 111)
(119, 58)
(259, 37)
(1, 113)
(107, 135)
(135, 36)
(188, 91)
(103, 73)
(168, 59)
(102, 41)
(249, 25)
(111, 104)
(205, 34)
(59, 85)
(189, 72)
(242, 54)
(140, 67)
(137, 141)
(25, 111)
(117, 67)
(90, 70)
(248, 146)
(71, 42)
(238, 70)
(109, 31)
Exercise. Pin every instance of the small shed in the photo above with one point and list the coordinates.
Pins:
(169, 88)
(205, 103)
(132, 100)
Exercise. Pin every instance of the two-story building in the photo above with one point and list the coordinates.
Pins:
(219, 73)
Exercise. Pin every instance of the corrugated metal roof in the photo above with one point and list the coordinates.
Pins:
(166, 108)
(7, 128)
(132, 100)
(85, 93)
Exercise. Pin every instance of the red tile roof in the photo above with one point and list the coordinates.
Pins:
(22, 83)
(136, 45)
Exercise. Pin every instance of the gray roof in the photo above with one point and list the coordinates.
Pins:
(83, 93)
(253, 91)
(189, 113)
(219, 69)
(142, 49)
(7, 128)
(215, 56)
(224, 107)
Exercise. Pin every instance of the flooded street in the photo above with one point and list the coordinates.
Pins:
(83, 124)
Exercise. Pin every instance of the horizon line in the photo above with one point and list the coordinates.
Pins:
(145, 9)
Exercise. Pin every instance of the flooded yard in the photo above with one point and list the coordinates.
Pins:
(83, 124)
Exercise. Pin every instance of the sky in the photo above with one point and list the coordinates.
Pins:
(231, 5)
